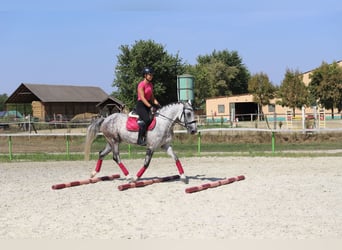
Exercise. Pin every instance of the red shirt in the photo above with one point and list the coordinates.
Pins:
(148, 90)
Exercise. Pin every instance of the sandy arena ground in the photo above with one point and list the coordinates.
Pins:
(281, 198)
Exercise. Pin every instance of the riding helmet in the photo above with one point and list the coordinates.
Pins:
(147, 70)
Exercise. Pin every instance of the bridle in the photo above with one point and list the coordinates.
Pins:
(185, 124)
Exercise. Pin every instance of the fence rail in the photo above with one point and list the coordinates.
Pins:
(271, 120)
(7, 139)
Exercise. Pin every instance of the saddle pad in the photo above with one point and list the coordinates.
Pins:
(132, 124)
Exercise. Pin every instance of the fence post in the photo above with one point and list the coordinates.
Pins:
(129, 150)
(67, 147)
(10, 147)
(273, 142)
(199, 143)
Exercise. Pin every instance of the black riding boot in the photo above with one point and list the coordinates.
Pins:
(142, 133)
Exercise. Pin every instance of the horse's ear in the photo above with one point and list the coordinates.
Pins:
(189, 101)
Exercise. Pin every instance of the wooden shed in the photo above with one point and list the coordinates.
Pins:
(110, 105)
(49, 101)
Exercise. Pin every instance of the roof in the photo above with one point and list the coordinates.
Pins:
(111, 100)
(27, 93)
(309, 71)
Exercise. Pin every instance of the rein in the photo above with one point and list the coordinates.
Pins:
(185, 124)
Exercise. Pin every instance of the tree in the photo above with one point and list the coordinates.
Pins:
(293, 92)
(326, 86)
(142, 54)
(262, 89)
(3, 99)
(223, 73)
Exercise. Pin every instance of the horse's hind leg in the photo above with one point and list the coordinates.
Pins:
(102, 155)
(117, 159)
(148, 157)
(170, 152)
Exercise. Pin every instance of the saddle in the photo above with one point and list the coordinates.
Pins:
(132, 122)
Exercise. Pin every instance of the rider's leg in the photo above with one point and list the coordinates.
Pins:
(148, 157)
(142, 133)
(144, 122)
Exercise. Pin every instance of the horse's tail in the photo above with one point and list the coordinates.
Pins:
(92, 131)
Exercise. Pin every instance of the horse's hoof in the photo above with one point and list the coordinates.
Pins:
(131, 178)
(184, 179)
(92, 175)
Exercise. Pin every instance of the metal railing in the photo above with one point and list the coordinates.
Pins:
(7, 139)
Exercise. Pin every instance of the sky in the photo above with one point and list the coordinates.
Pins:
(76, 42)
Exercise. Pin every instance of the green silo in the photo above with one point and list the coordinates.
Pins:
(185, 87)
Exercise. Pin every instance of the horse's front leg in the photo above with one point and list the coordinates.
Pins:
(148, 157)
(170, 152)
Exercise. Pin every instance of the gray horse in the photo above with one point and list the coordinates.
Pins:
(115, 131)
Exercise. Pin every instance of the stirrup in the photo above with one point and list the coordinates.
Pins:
(141, 142)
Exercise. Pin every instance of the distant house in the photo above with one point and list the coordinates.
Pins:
(49, 101)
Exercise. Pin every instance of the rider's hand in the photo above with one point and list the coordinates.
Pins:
(157, 106)
(153, 109)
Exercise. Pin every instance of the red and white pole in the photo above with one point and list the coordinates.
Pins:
(214, 184)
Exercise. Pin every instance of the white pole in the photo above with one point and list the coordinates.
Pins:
(303, 117)
(315, 116)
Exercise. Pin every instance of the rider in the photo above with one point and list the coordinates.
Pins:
(146, 104)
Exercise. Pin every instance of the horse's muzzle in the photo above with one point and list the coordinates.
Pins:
(192, 127)
(194, 131)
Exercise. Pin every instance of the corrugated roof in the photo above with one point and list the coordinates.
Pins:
(27, 92)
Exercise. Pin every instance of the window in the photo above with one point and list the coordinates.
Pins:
(271, 108)
(220, 108)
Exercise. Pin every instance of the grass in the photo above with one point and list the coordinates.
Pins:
(191, 150)
(233, 143)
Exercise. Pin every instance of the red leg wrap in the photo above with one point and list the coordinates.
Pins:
(123, 169)
(141, 171)
(179, 166)
(98, 165)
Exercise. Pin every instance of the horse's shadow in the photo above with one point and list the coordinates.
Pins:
(201, 177)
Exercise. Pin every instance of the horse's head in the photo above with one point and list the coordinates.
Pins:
(188, 118)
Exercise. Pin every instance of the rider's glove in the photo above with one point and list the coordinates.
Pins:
(157, 106)
(153, 109)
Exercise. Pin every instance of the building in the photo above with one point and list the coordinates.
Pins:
(306, 75)
(50, 101)
(110, 105)
(244, 108)
(241, 107)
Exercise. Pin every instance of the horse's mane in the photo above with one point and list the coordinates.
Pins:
(171, 104)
